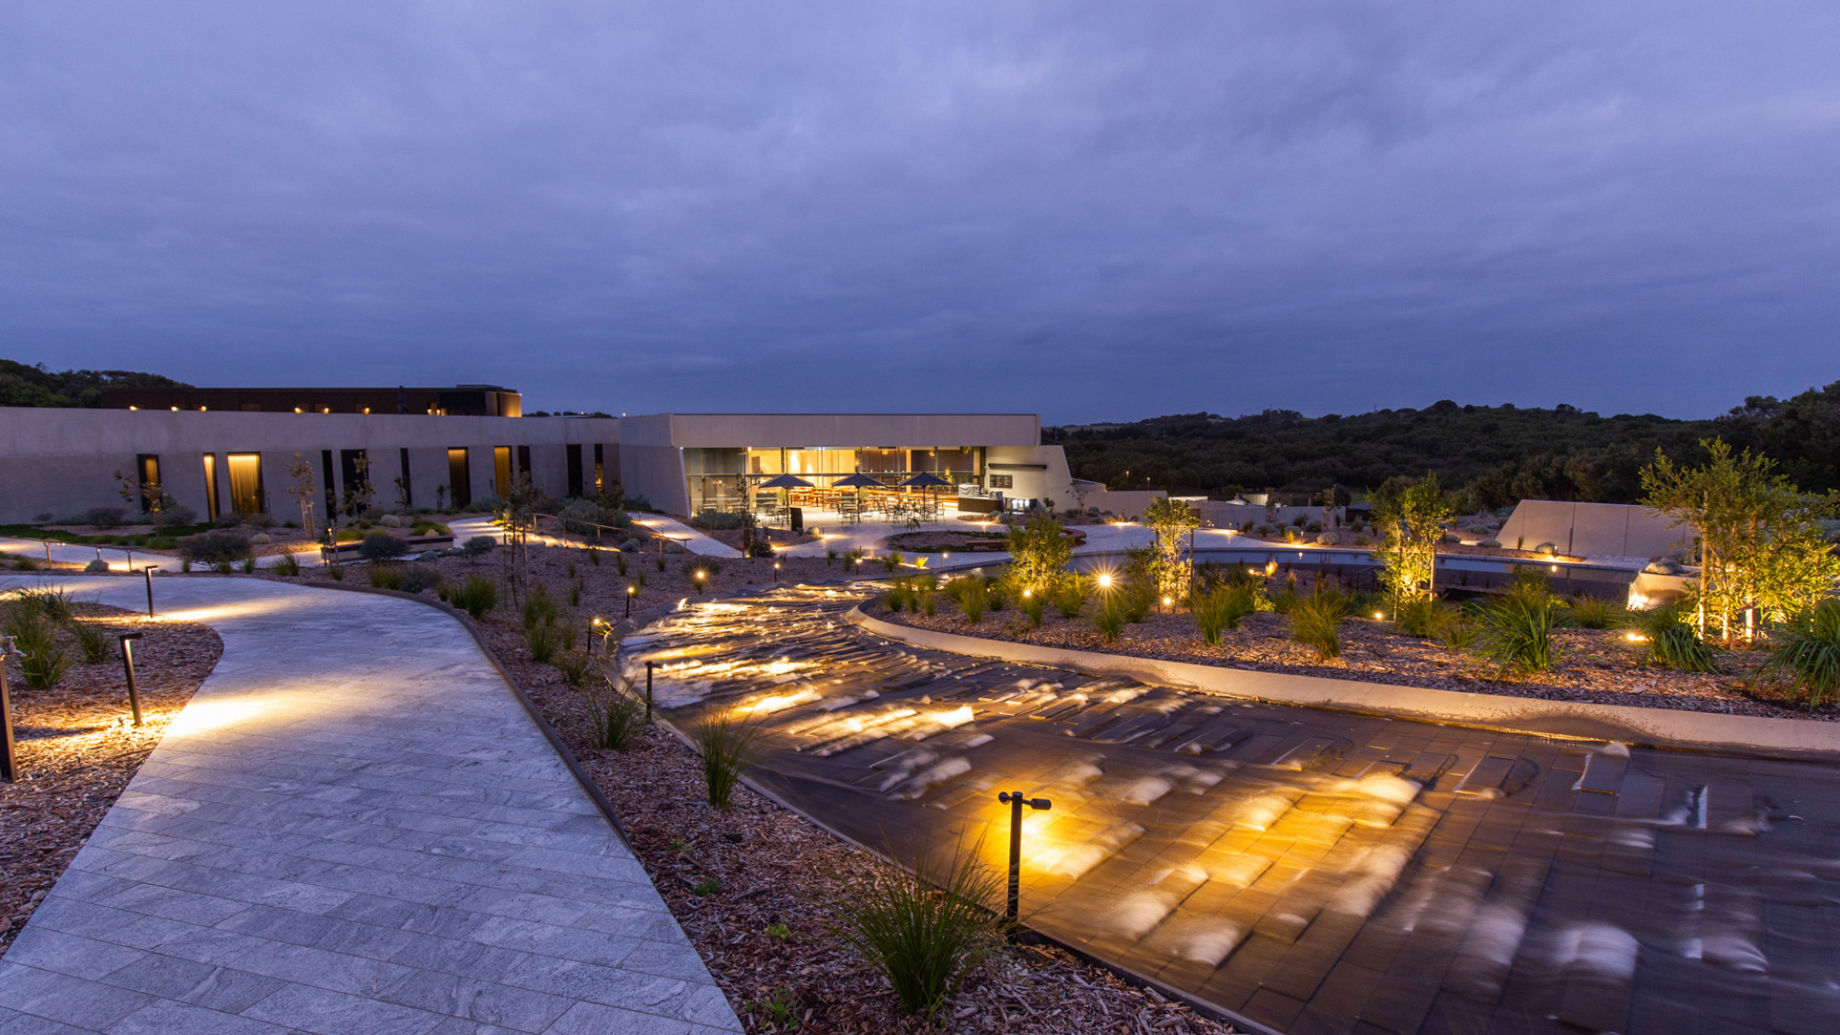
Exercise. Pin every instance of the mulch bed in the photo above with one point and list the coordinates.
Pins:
(1595, 666)
(78, 747)
(771, 866)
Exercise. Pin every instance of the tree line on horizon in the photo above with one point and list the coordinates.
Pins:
(1488, 456)
(24, 384)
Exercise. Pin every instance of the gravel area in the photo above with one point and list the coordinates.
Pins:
(78, 748)
(761, 858)
(1596, 666)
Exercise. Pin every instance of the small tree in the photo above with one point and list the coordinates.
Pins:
(1171, 520)
(1039, 552)
(358, 494)
(150, 497)
(304, 490)
(1761, 546)
(1410, 517)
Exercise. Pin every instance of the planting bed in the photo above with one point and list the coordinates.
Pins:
(77, 748)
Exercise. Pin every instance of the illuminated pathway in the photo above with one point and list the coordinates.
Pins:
(353, 827)
(1310, 870)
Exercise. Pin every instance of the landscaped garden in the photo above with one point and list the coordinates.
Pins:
(77, 746)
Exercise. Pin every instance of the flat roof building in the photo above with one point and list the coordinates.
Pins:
(221, 462)
(458, 401)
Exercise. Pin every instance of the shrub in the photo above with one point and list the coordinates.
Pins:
(1316, 621)
(542, 640)
(971, 595)
(92, 641)
(581, 516)
(617, 721)
(1809, 654)
(573, 666)
(217, 547)
(287, 565)
(924, 932)
(54, 604)
(1517, 631)
(727, 746)
(385, 576)
(423, 526)
(1070, 598)
(1596, 613)
(477, 545)
(336, 573)
(417, 578)
(713, 520)
(477, 596)
(381, 546)
(104, 517)
(95, 567)
(172, 516)
(1109, 621)
(1032, 608)
(539, 607)
(41, 659)
(249, 565)
(1220, 608)
(1672, 641)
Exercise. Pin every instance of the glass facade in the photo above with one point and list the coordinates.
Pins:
(728, 479)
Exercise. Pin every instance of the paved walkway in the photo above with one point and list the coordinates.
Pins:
(353, 827)
(123, 559)
(1315, 871)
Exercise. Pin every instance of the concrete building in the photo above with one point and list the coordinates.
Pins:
(219, 463)
(687, 462)
(64, 462)
(1593, 529)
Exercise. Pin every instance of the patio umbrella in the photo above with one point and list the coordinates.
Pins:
(785, 481)
(925, 480)
(859, 481)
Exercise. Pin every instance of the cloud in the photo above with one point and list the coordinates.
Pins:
(1090, 210)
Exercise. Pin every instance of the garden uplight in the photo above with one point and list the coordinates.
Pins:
(1105, 580)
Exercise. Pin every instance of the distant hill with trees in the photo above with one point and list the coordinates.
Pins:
(22, 385)
(1492, 456)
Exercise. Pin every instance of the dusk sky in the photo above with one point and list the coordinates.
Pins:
(1088, 210)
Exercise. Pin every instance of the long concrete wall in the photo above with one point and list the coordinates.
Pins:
(63, 461)
(1592, 529)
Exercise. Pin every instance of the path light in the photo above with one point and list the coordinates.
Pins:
(127, 663)
(599, 625)
(148, 572)
(776, 572)
(7, 773)
(1105, 580)
(1016, 801)
(1379, 616)
(1169, 601)
(700, 576)
(631, 591)
(944, 555)
(1027, 593)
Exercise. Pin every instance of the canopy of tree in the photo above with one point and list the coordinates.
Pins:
(1492, 456)
(22, 385)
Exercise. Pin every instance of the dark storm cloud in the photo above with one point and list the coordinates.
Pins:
(1094, 211)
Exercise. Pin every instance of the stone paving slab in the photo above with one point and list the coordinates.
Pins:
(353, 827)
(1315, 871)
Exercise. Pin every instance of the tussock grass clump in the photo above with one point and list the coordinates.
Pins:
(92, 641)
(1070, 598)
(287, 565)
(1109, 621)
(924, 931)
(1434, 619)
(617, 720)
(1596, 613)
(1517, 631)
(542, 641)
(1672, 641)
(727, 746)
(1220, 608)
(384, 576)
(42, 660)
(1810, 652)
(972, 596)
(1316, 622)
(477, 596)
(574, 665)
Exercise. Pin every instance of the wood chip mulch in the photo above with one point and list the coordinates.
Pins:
(77, 747)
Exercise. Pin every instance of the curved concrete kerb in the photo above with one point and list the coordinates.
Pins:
(1659, 726)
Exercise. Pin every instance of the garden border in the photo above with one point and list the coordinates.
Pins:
(1573, 720)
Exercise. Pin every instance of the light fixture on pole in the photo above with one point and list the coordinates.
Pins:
(8, 773)
(1015, 800)
(147, 572)
(127, 664)
(631, 590)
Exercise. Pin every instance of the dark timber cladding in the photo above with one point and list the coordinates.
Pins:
(457, 401)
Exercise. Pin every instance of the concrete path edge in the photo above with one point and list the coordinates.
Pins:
(1665, 727)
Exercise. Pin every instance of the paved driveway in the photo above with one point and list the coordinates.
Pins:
(353, 827)
(1310, 870)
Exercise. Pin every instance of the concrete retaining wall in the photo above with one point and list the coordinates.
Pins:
(1568, 719)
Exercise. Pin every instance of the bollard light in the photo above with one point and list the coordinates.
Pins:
(1015, 801)
(648, 690)
(596, 625)
(776, 572)
(127, 663)
(7, 772)
(1105, 580)
(147, 572)
(631, 590)
(700, 576)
